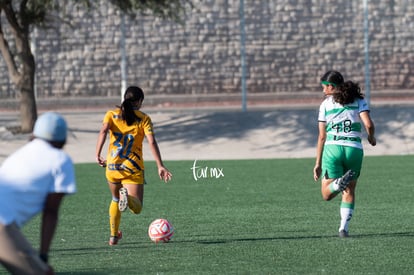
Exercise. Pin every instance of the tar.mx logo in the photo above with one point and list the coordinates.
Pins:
(206, 172)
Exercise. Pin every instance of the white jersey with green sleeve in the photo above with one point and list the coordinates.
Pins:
(343, 123)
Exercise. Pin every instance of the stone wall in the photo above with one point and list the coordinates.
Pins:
(289, 45)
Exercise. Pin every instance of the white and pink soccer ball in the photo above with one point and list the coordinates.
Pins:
(160, 230)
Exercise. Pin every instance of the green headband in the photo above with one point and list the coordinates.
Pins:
(328, 83)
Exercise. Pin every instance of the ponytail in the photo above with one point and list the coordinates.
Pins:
(132, 95)
(347, 92)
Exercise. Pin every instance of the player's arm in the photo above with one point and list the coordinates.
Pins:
(163, 172)
(369, 127)
(317, 170)
(49, 222)
(99, 144)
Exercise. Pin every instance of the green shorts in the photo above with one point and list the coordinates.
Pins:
(338, 159)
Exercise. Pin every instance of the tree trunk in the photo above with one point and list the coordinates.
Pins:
(28, 110)
(25, 84)
(21, 66)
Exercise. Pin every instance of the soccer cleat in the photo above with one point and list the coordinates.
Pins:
(113, 240)
(343, 234)
(344, 181)
(123, 199)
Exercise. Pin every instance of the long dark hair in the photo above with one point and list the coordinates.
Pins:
(345, 92)
(132, 95)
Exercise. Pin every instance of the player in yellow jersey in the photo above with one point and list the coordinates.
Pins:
(127, 127)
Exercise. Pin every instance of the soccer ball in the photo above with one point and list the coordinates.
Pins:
(160, 230)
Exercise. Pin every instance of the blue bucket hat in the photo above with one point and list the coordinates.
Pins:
(50, 126)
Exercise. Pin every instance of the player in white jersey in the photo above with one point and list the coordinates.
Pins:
(342, 116)
(34, 180)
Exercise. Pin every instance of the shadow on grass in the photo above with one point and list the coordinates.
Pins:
(144, 244)
(359, 236)
(127, 244)
(384, 234)
(86, 272)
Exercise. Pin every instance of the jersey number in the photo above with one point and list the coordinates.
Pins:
(127, 141)
(345, 126)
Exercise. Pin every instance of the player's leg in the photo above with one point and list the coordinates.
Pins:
(347, 209)
(326, 191)
(135, 196)
(114, 213)
(335, 179)
(17, 255)
(331, 187)
(135, 186)
(353, 161)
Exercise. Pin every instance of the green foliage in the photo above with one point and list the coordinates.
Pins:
(262, 217)
(42, 12)
(166, 9)
(35, 12)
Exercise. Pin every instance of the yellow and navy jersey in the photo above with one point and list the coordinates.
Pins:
(125, 142)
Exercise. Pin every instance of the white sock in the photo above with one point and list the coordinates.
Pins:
(346, 215)
(334, 187)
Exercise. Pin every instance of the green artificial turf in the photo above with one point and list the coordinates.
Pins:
(241, 217)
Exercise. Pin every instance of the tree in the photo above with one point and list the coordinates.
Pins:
(18, 17)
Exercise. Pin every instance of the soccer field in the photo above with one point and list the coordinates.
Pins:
(241, 217)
